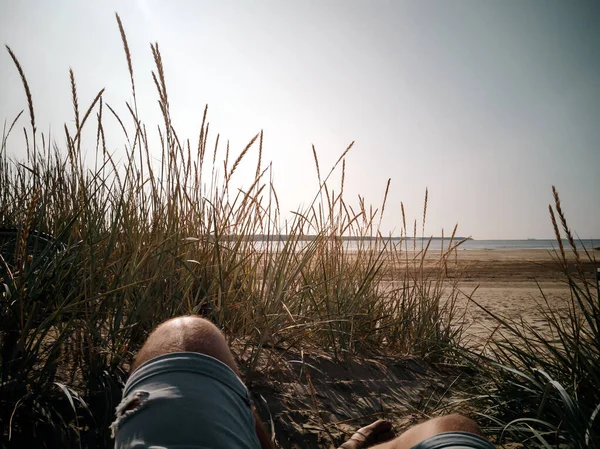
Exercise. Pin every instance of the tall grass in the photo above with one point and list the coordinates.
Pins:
(543, 388)
(95, 255)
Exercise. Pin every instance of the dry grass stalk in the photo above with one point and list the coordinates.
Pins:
(145, 245)
(259, 161)
(26, 87)
(558, 236)
(87, 114)
(201, 138)
(241, 156)
(314, 151)
(424, 211)
(563, 221)
(127, 53)
(385, 195)
(74, 96)
(403, 217)
(415, 236)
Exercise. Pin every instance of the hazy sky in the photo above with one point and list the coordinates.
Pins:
(486, 103)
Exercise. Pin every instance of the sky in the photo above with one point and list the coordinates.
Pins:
(486, 104)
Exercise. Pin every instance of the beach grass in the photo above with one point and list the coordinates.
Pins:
(542, 388)
(94, 256)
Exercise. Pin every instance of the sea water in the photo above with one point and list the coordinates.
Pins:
(437, 243)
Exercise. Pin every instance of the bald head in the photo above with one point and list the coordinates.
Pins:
(186, 334)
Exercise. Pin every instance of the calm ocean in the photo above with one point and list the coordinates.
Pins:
(472, 244)
(522, 244)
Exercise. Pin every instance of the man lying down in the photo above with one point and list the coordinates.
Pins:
(185, 392)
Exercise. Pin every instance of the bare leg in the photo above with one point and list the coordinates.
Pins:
(194, 334)
(414, 435)
(420, 432)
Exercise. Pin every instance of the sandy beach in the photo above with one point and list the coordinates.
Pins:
(512, 283)
(406, 390)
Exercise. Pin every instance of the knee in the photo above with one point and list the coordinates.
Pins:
(457, 423)
(186, 334)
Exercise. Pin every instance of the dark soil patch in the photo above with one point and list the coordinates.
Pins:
(309, 399)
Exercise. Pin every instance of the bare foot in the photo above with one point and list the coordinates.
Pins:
(378, 432)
